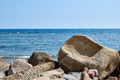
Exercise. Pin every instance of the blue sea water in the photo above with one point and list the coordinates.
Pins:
(16, 43)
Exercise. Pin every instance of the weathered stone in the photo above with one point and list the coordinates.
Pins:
(51, 75)
(71, 77)
(18, 65)
(93, 73)
(85, 75)
(39, 58)
(2, 74)
(3, 64)
(80, 51)
(42, 78)
(3, 67)
(33, 72)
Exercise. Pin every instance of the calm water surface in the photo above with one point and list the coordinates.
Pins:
(22, 42)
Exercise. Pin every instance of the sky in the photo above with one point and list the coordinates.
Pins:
(21, 14)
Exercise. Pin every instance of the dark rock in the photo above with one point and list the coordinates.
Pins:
(116, 72)
(39, 58)
(119, 52)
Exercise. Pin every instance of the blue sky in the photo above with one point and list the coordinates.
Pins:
(59, 14)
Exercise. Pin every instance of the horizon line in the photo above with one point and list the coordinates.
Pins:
(59, 28)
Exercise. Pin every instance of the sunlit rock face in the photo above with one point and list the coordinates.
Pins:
(81, 51)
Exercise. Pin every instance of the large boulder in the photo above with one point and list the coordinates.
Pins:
(39, 58)
(80, 51)
(18, 65)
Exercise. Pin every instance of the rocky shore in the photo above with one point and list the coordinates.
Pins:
(80, 58)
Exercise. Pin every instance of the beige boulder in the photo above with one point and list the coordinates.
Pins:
(80, 51)
(18, 65)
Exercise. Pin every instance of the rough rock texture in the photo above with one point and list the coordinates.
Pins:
(47, 78)
(71, 77)
(80, 51)
(51, 75)
(116, 72)
(3, 67)
(2, 74)
(39, 58)
(18, 65)
(3, 64)
(33, 72)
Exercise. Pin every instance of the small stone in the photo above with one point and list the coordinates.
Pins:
(3, 65)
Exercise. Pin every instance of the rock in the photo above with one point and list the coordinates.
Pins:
(39, 58)
(119, 52)
(80, 51)
(2, 74)
(47, 78)
(42, 78)
(18, 65)
(112, 78)
(93, 73)
(85, 75)
(33, 72)
(56, 74)
(70, 77)
(116, 72)
(119, 76)
(3, 65)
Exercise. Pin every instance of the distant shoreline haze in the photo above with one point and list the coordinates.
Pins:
(58, 30)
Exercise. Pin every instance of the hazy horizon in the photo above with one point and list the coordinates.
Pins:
(60, 28)
(59, 14)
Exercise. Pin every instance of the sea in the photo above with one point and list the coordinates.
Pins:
(21, 43)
